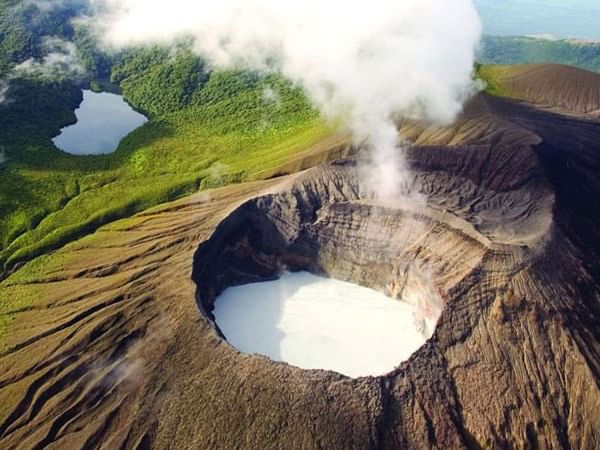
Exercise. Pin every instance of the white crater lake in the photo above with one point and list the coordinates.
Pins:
(103, 120)
(319, 323)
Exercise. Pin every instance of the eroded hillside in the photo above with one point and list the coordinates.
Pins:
(110, 342)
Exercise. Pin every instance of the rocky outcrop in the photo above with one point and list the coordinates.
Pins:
(112, 344)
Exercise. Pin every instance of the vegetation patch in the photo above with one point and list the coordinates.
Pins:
(527, 50)
(206, 129)
(492, 76)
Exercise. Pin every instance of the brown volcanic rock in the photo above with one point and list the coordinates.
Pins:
(112, 351)
(558, 86)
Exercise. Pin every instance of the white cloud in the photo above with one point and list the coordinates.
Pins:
(60, 59)
(271, 96)
(3, 90)
(361, 60)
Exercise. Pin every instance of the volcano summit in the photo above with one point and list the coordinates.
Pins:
(122, 349)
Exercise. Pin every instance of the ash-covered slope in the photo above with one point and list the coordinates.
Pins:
(112, 345)
(562, 87)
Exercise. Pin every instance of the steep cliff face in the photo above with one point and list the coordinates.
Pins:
(115, 347)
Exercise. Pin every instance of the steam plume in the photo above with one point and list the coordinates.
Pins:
(361, 61)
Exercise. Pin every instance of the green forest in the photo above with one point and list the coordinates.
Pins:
(205, 129)
(526, 50)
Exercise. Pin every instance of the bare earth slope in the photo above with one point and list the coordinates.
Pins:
(559, 86)
(112, 345)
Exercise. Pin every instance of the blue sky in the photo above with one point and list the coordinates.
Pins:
(561, 18)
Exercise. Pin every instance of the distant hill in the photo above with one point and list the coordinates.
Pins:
(528, 50)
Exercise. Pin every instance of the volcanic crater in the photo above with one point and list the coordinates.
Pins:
(504, 248)
(419, 248)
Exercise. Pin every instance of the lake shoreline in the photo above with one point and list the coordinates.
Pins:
(103, 119)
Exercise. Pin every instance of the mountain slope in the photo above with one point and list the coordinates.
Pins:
(205, 130)
(111, 344)
(564, 88)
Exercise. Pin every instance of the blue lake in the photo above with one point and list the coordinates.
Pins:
(103, 120)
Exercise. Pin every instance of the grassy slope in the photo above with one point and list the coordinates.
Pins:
(223, 131)
(492, 75)
(218, 139)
